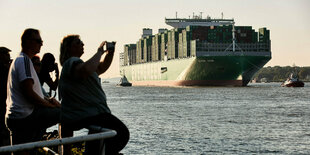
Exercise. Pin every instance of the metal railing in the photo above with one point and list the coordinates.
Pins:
(104, 134)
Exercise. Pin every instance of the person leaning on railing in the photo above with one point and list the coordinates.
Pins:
(28, 112)
(83, 99)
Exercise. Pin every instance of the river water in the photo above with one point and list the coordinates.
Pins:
(258, 119)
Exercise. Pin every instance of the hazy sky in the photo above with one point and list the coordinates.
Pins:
(123, 20)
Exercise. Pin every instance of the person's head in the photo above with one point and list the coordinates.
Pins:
(71, 46)
(36, 63)
(31, 42)
(48, 62)
(5, 56)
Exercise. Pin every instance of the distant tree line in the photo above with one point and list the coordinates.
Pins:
(280, 74)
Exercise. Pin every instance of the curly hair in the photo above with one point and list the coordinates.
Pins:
(65, 47)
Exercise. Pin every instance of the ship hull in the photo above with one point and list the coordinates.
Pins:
(189, 83)
(207, 69)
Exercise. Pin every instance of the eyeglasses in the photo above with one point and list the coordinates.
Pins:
(39, 41)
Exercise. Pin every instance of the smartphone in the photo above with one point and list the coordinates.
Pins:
(110, 46)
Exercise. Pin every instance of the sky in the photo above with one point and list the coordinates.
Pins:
(123, 20)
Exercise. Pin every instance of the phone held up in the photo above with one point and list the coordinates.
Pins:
(110, 46)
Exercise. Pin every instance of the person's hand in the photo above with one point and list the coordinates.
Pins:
(54, 102)
(100, 48)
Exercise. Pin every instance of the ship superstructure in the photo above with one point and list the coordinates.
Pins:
(197, 51)
(197, 21)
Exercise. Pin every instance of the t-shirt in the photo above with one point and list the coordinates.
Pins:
(17, 105)
(81, 98)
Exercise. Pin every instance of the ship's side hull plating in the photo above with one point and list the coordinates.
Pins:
(207, 69)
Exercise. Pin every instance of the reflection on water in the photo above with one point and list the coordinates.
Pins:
(258, 119)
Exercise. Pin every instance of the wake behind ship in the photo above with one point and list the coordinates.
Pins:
(196, 52)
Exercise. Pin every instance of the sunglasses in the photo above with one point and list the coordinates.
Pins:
(39, 41)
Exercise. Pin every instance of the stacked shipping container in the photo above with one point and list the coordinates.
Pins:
(264, 35)
(130, 54)
(163, 44)
(182, 43)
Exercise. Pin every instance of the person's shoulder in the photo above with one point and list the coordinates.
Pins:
(72, 60)
(21, 59)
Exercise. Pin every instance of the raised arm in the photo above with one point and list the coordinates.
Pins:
(85, 69)
(106, 63)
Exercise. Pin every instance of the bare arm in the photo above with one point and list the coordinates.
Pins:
(106, 63)
(33, 97)
(85, 69)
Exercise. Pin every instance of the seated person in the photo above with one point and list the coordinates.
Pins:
(28, 112)
(83, 99)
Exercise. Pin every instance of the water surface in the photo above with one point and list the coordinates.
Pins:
(258, 119)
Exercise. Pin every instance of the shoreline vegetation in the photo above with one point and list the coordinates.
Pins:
(280, 74)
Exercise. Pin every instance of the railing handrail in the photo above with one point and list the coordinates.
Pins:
(62, 141)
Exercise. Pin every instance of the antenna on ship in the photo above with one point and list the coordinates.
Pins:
(222, 15)
(176, 15)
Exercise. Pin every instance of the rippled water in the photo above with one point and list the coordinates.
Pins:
(258, 119)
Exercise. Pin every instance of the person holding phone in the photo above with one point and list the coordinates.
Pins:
(84, 102)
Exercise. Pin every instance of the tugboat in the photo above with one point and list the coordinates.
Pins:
(293, 81)
(124, 82)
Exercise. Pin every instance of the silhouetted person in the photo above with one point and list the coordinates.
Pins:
(28, 112)
(5, 62)
(36, 63)
(83, 99)
(37, 67)
(48, 65)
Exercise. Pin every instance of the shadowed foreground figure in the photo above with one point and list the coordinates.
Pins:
(5, 62)
(48, 65)
(37, 67)
(83, 99)
(28, 112)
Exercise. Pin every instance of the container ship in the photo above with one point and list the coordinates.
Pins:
(196, 52)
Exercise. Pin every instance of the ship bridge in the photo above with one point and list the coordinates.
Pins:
(183, 22)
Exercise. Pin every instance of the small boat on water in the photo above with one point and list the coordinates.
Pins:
(293, 81)
(124, 82)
